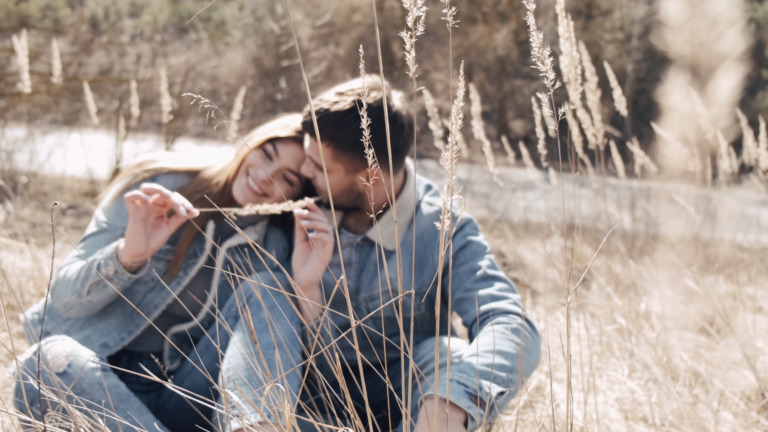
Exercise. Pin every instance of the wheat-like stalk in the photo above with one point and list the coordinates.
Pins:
(526, 156)
(594, 95)
(478, 130)
(133, 102)
(263, 209)
(90, 104)
(749, 152)
(121, 131)
(541, 54)
(450, 155)
(618, 162)
(619, 101)
(414, 19)
(21, 48)
(542, 143)
(234, 117)
(571, 67)
(56, 72)
(762, 148)
(508, 150)
(365, 125)
(435, 123)
(578, 140)
(460, 141)
(641, 159)
(166, 101)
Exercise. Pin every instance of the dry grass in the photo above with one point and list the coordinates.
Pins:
(664, 336)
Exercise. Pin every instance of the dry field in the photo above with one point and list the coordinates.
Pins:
(664, 336)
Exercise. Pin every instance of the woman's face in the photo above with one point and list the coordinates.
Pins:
(270, 173)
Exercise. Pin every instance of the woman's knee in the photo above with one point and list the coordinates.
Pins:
(60, 361)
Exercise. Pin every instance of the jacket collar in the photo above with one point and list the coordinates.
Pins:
(383, 231)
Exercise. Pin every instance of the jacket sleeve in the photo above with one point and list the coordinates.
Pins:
(488, 375)
(91, 276)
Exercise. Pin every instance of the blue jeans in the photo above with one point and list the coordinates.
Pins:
(259, 379)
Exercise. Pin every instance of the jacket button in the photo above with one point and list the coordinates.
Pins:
(110, 270)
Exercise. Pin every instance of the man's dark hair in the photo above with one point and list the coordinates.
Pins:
(338, 118)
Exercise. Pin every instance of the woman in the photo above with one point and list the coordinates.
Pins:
(156, 289)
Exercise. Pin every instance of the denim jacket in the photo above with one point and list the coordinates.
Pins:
(98, 303)
(488, 375)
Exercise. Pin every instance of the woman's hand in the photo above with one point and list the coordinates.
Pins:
(312, 252)
(149, 226)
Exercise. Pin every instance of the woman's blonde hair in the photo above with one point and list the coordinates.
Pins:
(211, 183)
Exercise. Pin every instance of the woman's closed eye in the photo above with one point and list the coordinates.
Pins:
(268, 154)
(288, 180)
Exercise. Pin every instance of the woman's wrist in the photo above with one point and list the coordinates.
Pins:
(311, 300)
(131, 264)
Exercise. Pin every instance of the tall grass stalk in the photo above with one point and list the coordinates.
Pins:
(56, 73)
(90, 104)
(416, 14)
(234, 117)
(133, 102)
(435, 123)
(749, 151)
(166, 100)
(511, 158)
(21, 49)
(618, 162)
(762, 148)
(478, 129)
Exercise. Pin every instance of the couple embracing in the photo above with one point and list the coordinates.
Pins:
(166, 318)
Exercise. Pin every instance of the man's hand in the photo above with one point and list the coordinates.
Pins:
(429, 421)
(149, 226)
(312, 251)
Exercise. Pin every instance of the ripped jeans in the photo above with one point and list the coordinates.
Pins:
(80, 388)
(259, 380)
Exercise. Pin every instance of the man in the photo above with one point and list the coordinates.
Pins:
(373, 336)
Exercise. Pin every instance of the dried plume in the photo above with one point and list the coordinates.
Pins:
(541, 54)
(641, 159)
(166, 101)
(460, 141)
(619, 101)
(762, 148)
(90, 104)
(508, 150)
(578, 140)
(56, 72)
(122, 133)
(526, 155)
(414, 19)
(435, 121)
(21, 48)
(365, 125)
(571, 67)
(449, 15)
(542, 143)
(263, 209)
(594, 95)
(478, 129)
(450, 155)
(618, 162)
(133, 103)
(234, 116)
(749, 152)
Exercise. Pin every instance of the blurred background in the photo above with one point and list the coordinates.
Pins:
(668, 327)
(237, 43)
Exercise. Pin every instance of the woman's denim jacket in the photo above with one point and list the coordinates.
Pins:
(98, 303)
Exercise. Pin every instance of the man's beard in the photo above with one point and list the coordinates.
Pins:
(347, 201)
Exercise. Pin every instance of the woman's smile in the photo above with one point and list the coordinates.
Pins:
(254, 188)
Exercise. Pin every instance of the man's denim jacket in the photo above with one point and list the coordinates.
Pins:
(98, 303)
(488, 375)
